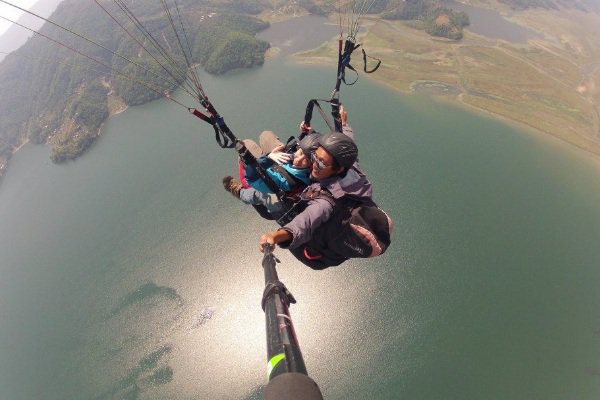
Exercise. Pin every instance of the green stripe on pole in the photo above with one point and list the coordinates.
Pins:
(276, 359)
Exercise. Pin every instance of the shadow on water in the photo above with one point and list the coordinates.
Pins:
(146, 374)
(146, 294)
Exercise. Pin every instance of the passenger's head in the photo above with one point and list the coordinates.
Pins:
(306, 147)
(334, 156)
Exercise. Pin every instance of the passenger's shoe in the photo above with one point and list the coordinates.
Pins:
(232, 186)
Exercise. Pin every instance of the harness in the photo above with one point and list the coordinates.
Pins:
(293, 181)
(357, 228)
(302, 202)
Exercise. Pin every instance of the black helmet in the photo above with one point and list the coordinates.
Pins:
(309, 144)
(341, 147)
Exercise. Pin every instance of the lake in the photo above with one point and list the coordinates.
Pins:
(492, 24)
(132, 274)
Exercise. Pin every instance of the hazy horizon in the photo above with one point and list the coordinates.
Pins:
(13, 13)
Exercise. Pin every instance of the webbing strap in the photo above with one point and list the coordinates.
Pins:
(344, 62)
(248, 159)
(344, 58)
(292, 180)
(203, 117)
(224, 137)
(315, 102)
(375, 68)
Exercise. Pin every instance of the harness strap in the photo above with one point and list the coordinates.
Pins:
(319, 194)
(290, 179)
(291, 144)
(344, 58)
(343, 77)
(365, 62)
(315, 102)
(248, 159)
(300, 203)
(223, 135)
(203, 117)
(344, 62)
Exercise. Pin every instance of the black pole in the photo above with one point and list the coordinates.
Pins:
(288, 379)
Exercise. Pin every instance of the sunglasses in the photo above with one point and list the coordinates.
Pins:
(320, 164)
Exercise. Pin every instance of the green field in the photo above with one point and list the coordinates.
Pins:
(549, 84)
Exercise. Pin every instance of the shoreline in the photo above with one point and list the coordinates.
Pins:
(455, 99)
(122, 108)
(19, 147)
(4, 162)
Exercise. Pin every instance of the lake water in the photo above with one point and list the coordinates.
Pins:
(298, 34)
(132, 274)
(492, 24)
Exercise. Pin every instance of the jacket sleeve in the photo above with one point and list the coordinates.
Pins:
(303, 226)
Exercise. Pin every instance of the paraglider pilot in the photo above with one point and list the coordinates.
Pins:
(337, 178)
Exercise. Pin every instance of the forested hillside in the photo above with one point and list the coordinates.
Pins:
(433, 17)
(54, 94)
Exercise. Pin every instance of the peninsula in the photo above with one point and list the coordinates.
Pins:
(549, 82)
